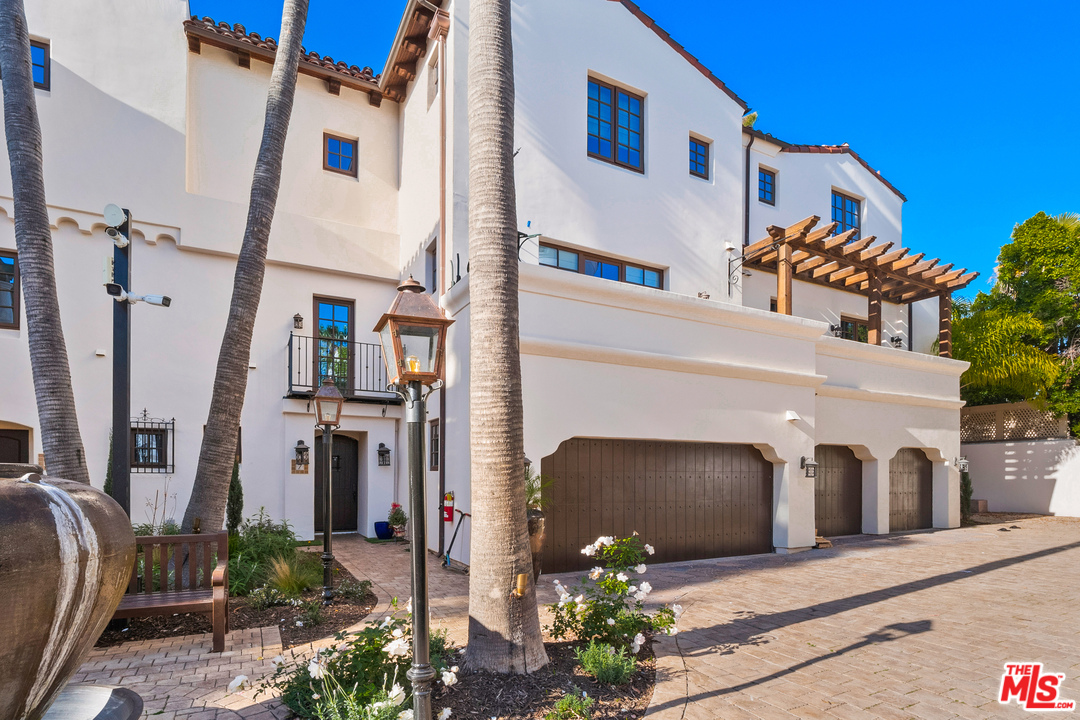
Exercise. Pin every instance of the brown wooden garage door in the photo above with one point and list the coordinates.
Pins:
(688, 500)
(837, 491)
(911, 491)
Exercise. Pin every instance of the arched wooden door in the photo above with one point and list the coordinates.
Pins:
(14, 446)
(343, 483)
(911, 491)
(837, 491)
(688, 500)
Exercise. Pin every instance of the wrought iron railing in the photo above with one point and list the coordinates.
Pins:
(356, 368)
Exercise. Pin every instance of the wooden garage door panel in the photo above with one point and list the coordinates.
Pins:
(837, 491)
(911, 491)
(689, 500)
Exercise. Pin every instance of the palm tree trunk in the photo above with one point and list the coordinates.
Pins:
(210, 492)
(60, 438)
(504, 631)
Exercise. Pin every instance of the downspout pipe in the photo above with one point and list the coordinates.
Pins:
(746, 205)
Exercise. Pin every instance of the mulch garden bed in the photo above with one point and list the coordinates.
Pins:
(342, 613)
(530, 697)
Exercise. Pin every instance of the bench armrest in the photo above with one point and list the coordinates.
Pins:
(220, 577)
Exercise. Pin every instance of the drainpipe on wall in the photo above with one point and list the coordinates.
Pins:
(440, 26)
(746, 208)
(910, 328)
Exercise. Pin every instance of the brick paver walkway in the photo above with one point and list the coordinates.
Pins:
(911, 626)
(895, 627)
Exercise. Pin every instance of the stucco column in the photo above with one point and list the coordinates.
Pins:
(946, 495)
(875, 497)
(793, 516)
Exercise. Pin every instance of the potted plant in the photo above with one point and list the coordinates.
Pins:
(535, 484)
(397, 519)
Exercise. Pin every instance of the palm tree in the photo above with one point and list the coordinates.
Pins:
(60, 438)
(504, 631)
(210, 492)
(1004, 349)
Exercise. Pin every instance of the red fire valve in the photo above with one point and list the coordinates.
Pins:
(448, 507)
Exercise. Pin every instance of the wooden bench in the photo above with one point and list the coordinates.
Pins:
(163, 584)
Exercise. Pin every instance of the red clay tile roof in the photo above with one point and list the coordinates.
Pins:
(825, 149)
(237, 37)
(663, 35)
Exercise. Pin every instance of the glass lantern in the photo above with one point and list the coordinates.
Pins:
(413, 336)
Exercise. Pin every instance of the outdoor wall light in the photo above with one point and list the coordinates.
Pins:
(961, 464)
(809, 466)
(836, 330)
(301, 450)
(298, 321)
(384, 455)
(896, 341)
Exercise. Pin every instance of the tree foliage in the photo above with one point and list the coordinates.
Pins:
(1023, 337)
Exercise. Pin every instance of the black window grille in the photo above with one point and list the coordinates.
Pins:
(153, 442)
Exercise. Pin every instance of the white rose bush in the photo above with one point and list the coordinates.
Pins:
(361, 676)
(607, 605)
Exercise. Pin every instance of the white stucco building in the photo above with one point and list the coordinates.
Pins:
(680, 358)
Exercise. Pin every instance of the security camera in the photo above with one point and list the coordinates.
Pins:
(117, 237)
(114, 289)
(159, 300)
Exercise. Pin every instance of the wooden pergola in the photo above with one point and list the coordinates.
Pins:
(878, 270)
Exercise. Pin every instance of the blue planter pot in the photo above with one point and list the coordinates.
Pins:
(383, 531)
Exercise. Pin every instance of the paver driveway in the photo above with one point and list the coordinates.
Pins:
(903, 626)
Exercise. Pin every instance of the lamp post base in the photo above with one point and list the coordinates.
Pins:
(421, 676)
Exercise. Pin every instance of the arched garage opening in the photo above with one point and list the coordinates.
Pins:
(911, 491)
(688, 500)
(837, 491)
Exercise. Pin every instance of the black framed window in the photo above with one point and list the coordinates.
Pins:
(9, 290)
(601, 267)
(846, 211)
(152, 444)
(766, 186)
(39, 61)
(615, 125)
(854, 329)
(434, 460)
(699, 159)
(339, 154)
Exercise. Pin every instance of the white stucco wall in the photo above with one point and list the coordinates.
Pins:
(1033, 476)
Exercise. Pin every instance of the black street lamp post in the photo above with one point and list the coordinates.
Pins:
(413, 336)
(327, 414)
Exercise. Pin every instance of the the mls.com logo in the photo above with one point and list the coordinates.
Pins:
(1032, 689)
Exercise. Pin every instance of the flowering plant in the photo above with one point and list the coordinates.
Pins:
(397, 516)
(360, 664)
(608, 604)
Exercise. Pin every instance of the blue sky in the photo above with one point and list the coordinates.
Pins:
(970, 108)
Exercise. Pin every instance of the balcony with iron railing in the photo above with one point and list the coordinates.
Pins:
(356, 368)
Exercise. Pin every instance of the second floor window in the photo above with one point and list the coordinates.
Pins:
(39, 61)
(434, 460)
(152, 444)
(615, 125)
(339, 154)
(9, 290)
(853, 329)
(607, 268)
(845, 210)
(699, 159)
(766, 186)
(333, 349)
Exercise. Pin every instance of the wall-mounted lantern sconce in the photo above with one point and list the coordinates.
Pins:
(384, 455)
(298, 321)
(809, 466)
(836, 330)
(301, 453)
(896, 341)
(962, 464)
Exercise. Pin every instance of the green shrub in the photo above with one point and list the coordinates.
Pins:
(608, 604)
(605, 665)
(363, 663)
(575, 706)
(313, 612)
(353, 589)
(294, 574)
(266, 597)
(234, 508)
(342, 704)
(397, 516)
(259, 541)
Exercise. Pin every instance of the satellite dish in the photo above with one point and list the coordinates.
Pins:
(114, 216)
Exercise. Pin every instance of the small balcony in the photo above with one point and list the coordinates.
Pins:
(356, 368)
